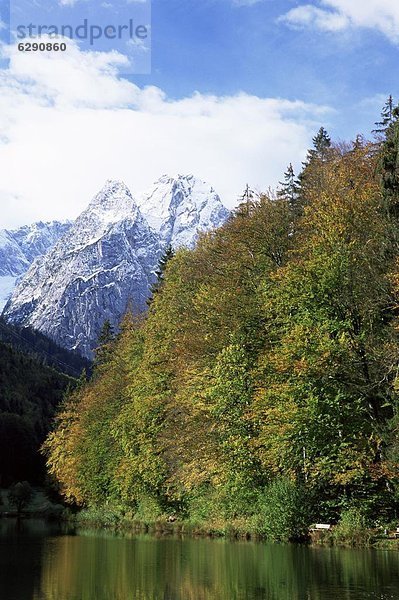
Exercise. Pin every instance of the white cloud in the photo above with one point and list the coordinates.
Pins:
(70, 123)
(336, 15)
(309, 15)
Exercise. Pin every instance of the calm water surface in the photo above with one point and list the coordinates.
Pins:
(40, 562)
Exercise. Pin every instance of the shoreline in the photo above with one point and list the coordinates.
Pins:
(125, 522)
(163, 528)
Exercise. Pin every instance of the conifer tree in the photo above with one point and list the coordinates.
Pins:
(289, 187)
(160, 272)
(321, 146)
(389, 115)
(314, 167)
(245, 201)
(388, 130)
(105, 340)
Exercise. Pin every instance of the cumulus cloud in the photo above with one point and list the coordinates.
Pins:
(68, 122)
(336, 15)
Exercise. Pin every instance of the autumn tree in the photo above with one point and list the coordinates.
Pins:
(326, 385)
(265, 365)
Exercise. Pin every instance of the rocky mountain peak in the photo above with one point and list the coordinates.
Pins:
(179, 207)
(107, 258)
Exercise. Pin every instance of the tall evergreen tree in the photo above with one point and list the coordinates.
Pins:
(105, 340)
(388, 131)
(160, 272)
(389, 115)
(315, 165)
(245, 201)
(321, 146)
(289, 188)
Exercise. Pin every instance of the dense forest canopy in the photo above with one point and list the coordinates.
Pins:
(35, 374)
(266, 367)
(30, 394)
(37, 345)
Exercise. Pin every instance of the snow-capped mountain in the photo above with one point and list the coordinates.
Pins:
(178, 208)
(35, 240)
(19, 248)
(107, 259)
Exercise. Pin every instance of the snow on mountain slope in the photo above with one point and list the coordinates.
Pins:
(101, 264)
(178, 208)
(18, 249)
(107, 259)
(35, 240)
(13, 262)
(7, 284)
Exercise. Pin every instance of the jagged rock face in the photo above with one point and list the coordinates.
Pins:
(107, 259)
(19, 248)
(35, 240)
(179, 208)
(13, 262)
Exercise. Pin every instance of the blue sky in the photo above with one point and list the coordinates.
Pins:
(236, 92)
(219, 47)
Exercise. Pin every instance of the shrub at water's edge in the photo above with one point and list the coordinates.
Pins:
(353, 528)
(283, 512)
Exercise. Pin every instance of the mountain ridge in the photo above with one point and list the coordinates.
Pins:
(107, 258)
(20, 247)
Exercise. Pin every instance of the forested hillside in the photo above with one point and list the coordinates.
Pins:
(34, 376)
(29, 396)
(262, 385)
(43, 349)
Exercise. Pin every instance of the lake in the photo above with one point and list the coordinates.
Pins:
(39, 561)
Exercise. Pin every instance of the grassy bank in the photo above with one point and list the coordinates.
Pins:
(344, 534)
(351, 531)
(113, 520)
(368, 538)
